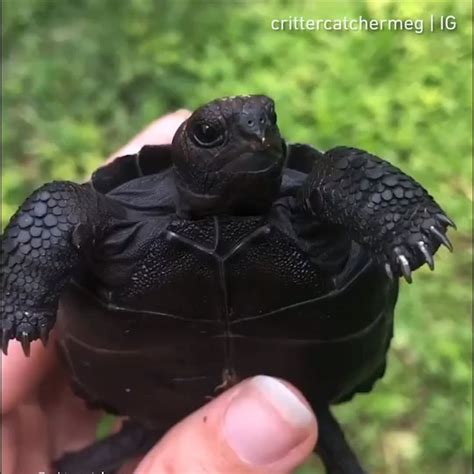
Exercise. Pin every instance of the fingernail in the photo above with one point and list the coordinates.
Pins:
(265, 421)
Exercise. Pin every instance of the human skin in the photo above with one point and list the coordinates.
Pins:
(260, 425)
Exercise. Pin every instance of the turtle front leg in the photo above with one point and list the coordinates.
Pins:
(42, 245)
(382, 208)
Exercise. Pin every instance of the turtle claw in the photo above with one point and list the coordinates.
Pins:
(404, 266)
(25, 343)
(44, 335)
(442, 238)
(408, 260)
(446, 220)
(31, 324)
(426, 254)
(6, 336)
(388, 270)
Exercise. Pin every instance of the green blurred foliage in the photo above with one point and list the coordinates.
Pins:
(81, 77)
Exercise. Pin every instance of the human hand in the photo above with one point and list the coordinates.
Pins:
(260, 425)
(38, 407)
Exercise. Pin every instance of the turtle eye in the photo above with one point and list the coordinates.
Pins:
(207, 135)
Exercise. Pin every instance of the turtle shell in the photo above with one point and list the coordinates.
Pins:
(157, 366)
(151, 159)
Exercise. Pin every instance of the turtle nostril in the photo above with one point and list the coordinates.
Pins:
(262, 120)
(250, 123)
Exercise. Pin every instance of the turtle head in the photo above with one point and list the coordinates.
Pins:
(228, 157)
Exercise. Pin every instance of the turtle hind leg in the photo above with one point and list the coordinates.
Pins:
(332, 447)
(109, 454)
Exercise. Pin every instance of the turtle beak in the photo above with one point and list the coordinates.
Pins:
(264, 137)
(261, 136)
(263, 150)
(257, 126)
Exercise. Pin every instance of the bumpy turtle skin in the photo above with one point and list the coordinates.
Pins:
(381, 207)
(42, 245)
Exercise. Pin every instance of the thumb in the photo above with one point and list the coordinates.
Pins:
(260, 425)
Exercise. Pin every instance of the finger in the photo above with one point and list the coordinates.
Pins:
(10, 444)
(64, 410)
(21, 374)
(33, 442)
(159, 132)
(261, 425)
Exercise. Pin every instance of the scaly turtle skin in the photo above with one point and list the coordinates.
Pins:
(228, 253)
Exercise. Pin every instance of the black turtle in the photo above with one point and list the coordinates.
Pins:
(226, 254)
